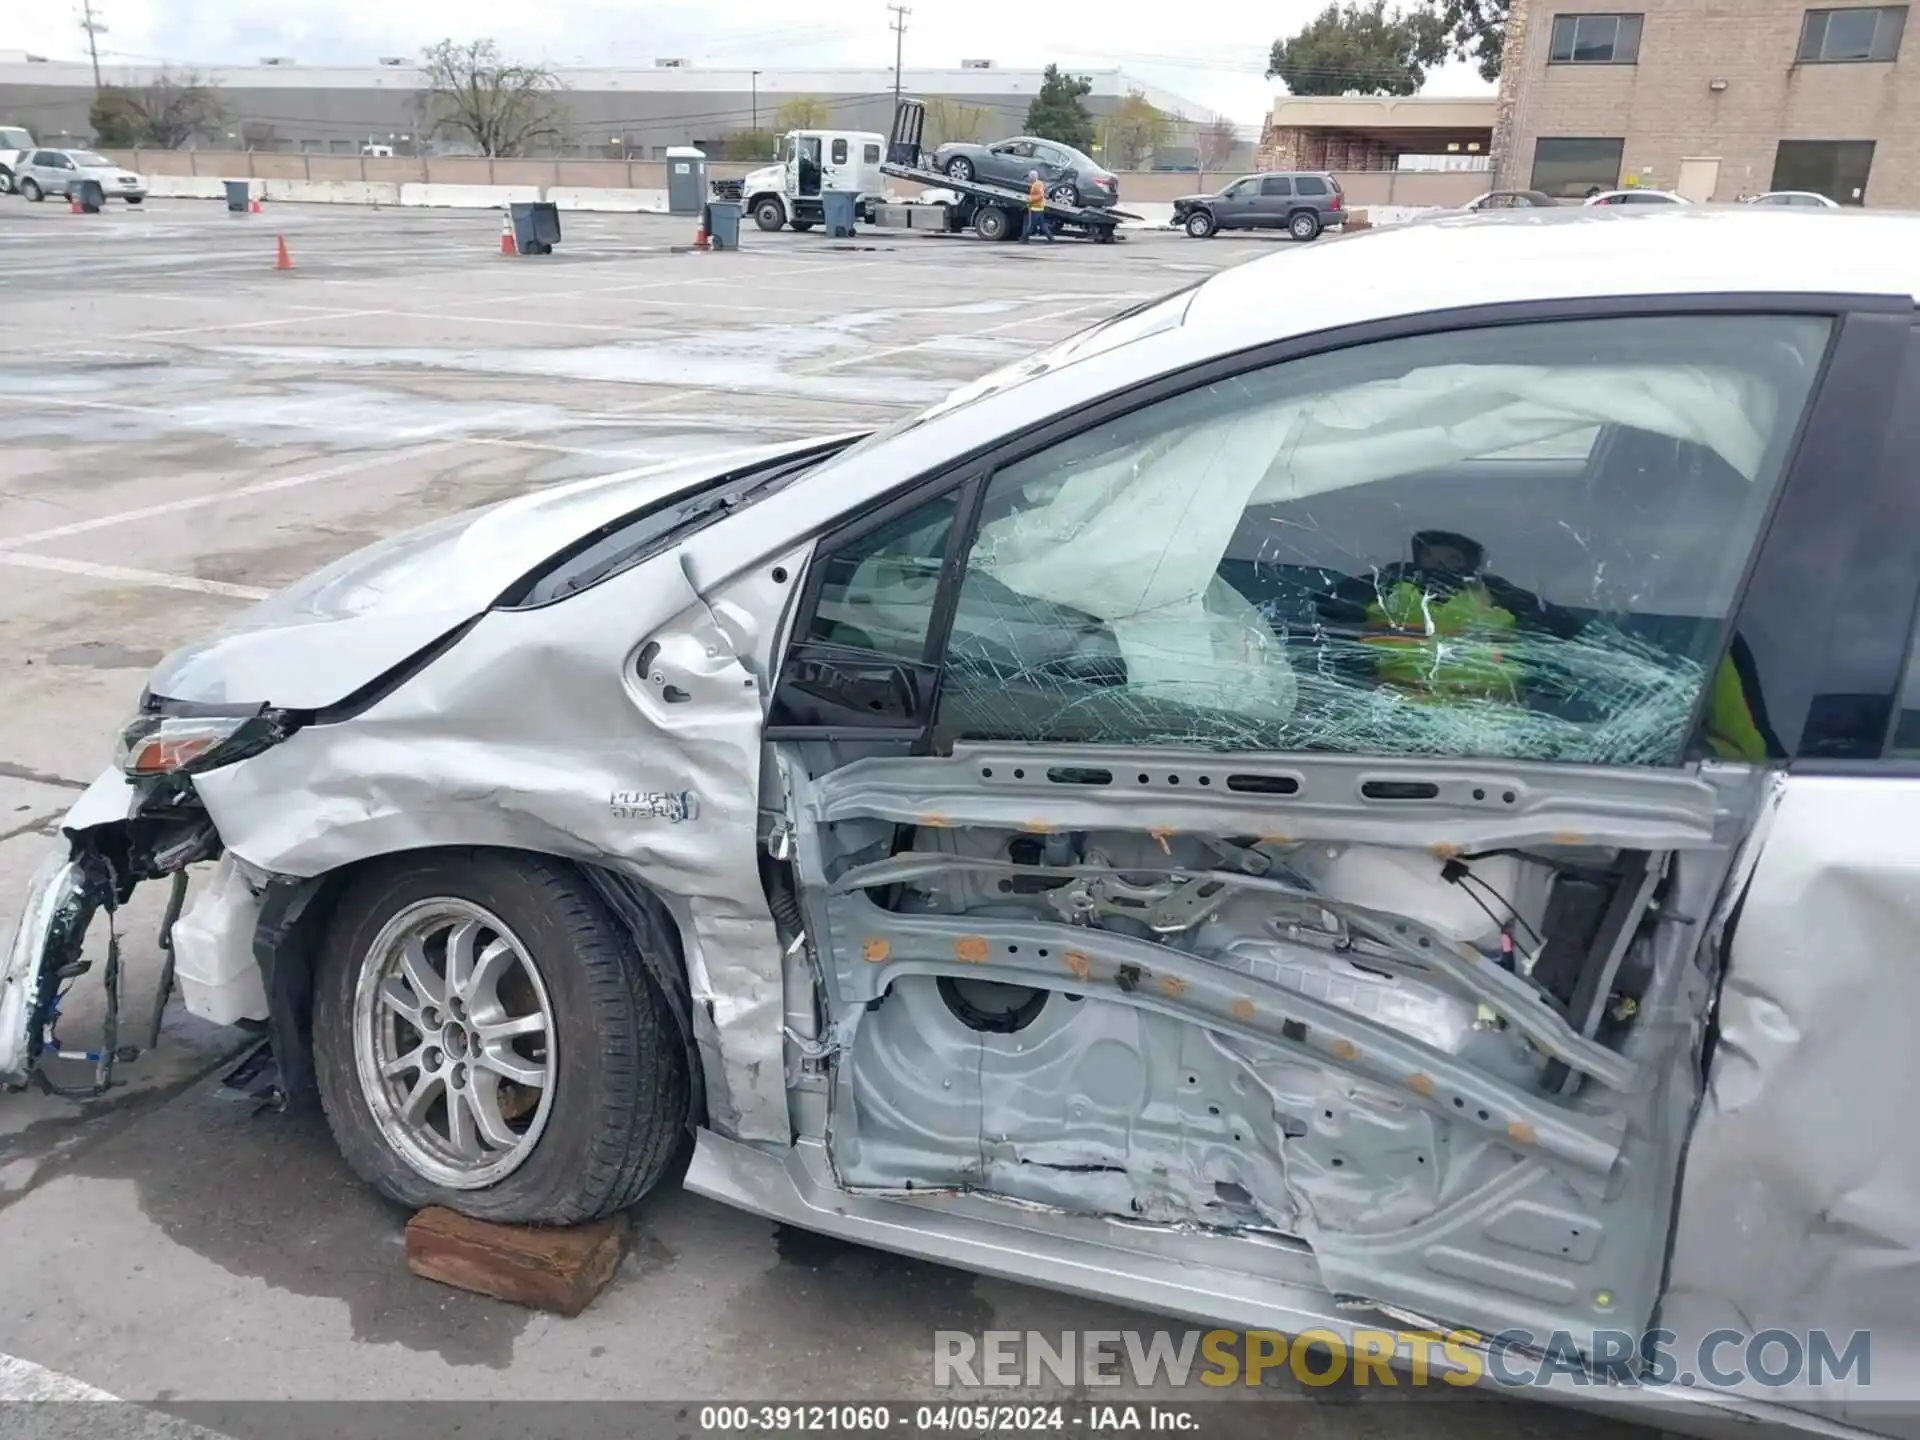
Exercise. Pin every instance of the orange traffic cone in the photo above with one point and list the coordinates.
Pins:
(253, 206)
(507, 245)
(700, 241)
(74, 207)
(282, 261)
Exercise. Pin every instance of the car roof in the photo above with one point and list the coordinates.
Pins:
(1566, 253)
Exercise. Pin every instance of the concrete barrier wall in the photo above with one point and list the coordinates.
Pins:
(586, 197)
(329, 192)
(469, 197)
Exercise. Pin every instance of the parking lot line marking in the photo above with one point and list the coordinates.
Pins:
(196, 502)
(125, 576)
(24, 1383)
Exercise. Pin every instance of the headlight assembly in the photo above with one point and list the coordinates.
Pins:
(156, 743)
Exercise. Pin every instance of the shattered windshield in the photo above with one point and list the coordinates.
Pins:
(1520, 542)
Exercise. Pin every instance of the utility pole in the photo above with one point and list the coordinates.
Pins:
(755, 127)
(899, 27)
(95, 29)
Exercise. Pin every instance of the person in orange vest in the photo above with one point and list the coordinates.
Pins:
(1036, 210)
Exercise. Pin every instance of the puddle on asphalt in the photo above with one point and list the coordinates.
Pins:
(266, 1196)
(752, 359)
(105, 655)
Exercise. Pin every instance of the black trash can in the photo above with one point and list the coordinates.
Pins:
(839, 205)
(237, 196)
(536, 226)
(88, 195)
(723, 223)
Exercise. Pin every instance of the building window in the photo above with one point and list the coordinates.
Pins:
(1837, 169)
(1568, 167)
(1595, 40)
(1837, 36)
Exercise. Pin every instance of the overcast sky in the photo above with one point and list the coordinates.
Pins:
(1212, 52)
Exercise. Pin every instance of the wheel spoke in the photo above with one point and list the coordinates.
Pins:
(460, 943)
(500, 1031)
(414, 1109)
(397, 998)
(505, 1062)
(483, 989)
(461, 1132)
(484, 1093)
(400, 1064)
(420, 974)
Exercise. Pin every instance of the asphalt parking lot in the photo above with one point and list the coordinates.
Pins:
(182, 429)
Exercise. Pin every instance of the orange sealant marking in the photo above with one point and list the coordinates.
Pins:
(973, 949)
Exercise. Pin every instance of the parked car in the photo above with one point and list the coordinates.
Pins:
(13, 140)
(1797, 199)
(1637, 197)
(1301, 203)
(57, 172)
(1512, 200)
(1070, 177)
(1303, 803)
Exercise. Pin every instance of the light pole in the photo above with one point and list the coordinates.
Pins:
(755, 82)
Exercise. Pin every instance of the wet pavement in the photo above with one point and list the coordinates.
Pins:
(186, 428)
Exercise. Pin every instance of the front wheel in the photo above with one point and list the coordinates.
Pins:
(484, 1040)
(803, 226)
(31, 189)
(1304, 226)
(1200, 224)
(6, 181)
(770, 214)
(960, 168)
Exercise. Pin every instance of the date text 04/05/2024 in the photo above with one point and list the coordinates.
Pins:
(962, 1418)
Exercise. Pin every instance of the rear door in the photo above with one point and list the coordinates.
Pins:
(1281, 604)
(1314, 191)
(1275, 199)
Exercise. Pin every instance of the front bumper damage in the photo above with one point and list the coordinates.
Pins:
(115, 836)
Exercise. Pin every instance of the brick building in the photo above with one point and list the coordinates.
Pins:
(1712, 98)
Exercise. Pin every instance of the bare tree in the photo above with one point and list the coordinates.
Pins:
(802, 112)
(1214, 143)
(165, 113)
(497, 106)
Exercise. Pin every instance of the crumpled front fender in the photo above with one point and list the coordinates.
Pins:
(60, 902)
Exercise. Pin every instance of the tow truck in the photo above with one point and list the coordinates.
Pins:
(994, 212)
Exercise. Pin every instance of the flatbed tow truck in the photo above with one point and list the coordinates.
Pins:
(993, 212)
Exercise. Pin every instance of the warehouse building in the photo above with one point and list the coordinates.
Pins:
(1715, 99)
(633, 113)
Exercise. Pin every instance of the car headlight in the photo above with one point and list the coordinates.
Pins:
(155, 743)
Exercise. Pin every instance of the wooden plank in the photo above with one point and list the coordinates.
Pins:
(546, 1268)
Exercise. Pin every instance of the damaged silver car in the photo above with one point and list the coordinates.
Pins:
(1369, 786)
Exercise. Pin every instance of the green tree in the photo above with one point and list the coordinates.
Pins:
(499, 107)
(1478, 31)
(1361, 47)
(803, 112)
(748, 145)
(115, 118)
(1057, 112)
(1135, 130)
(165, 113)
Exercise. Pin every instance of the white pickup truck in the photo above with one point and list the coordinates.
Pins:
(13, 141)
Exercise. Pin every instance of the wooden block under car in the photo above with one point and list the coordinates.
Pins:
(545, 1268)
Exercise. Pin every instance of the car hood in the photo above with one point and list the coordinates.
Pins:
(322, 638)
(1192, 200)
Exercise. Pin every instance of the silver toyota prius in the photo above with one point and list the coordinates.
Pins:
(1366, 791)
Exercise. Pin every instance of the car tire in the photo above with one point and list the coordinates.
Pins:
(135, 199)
(6, 181)
(608, 1117)
(1067, 195)
(769, 213)
(1200, 224)
(1304, 225)
(30, 188)
(960, 168)
(803, 225)
(990, 222)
